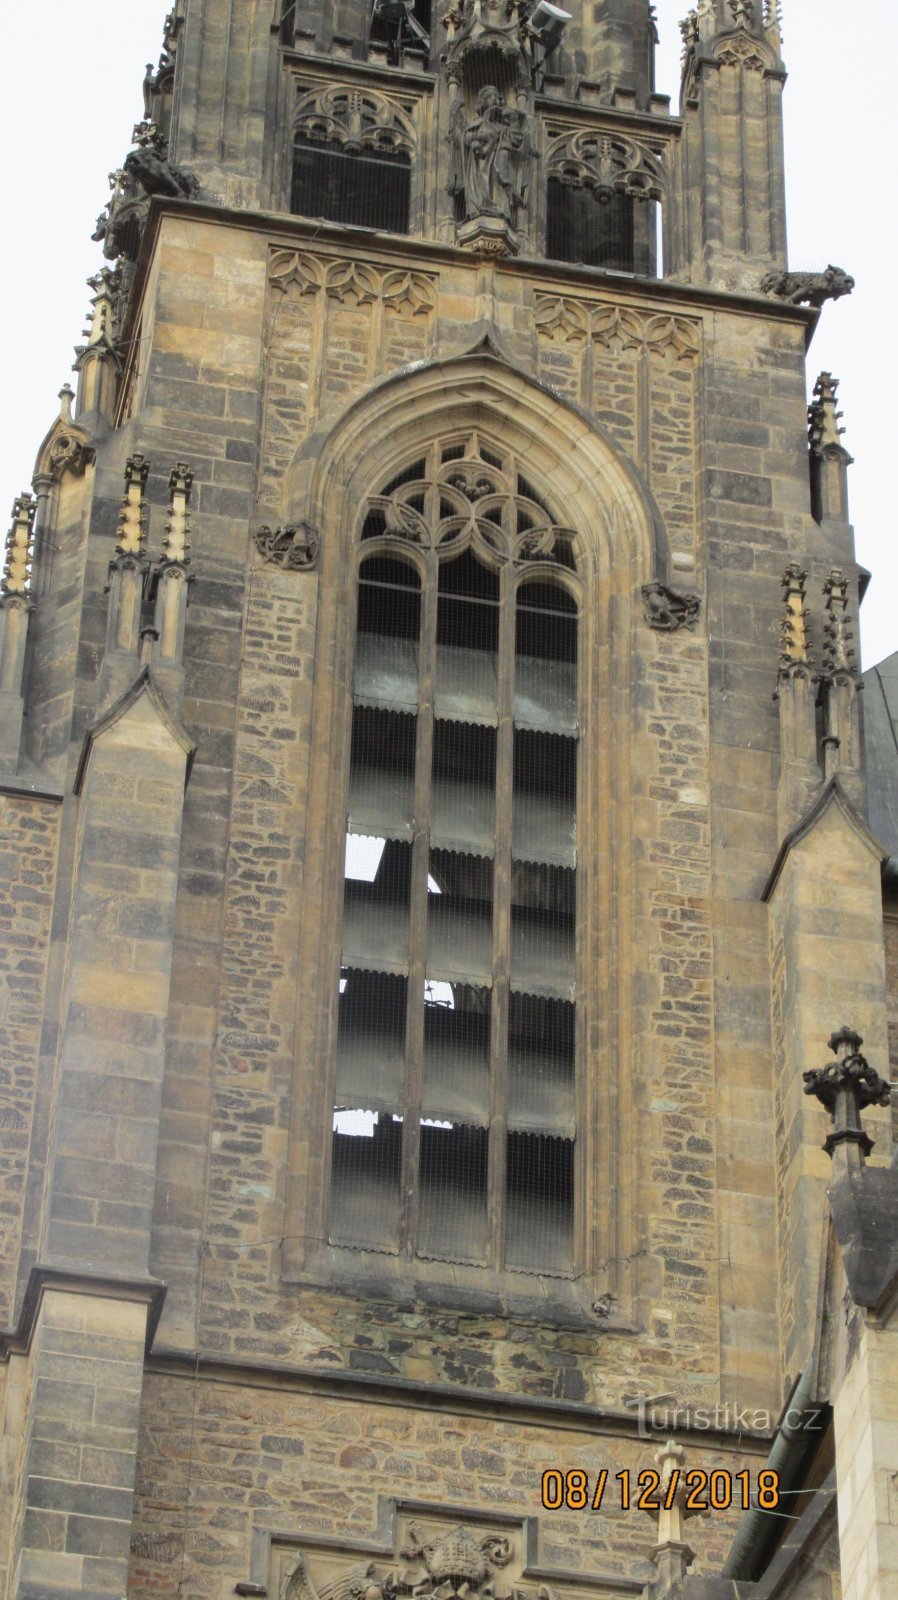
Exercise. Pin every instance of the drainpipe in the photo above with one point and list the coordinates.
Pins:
(798, 1434)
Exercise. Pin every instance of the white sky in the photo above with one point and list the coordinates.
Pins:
(73, 94)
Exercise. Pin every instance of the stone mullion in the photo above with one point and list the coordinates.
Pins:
(418, 931)
(502, 868)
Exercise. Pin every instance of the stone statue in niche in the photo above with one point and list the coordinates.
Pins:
(492, 157)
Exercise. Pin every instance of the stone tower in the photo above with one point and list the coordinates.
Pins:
(435, 845)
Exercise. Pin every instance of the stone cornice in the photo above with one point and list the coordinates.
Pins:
(456, 1399)
(134, 1291)
(290, 232)
(32, 785)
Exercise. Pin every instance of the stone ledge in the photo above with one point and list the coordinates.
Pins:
(148, 1291)
(531, 1410)
(33, 784)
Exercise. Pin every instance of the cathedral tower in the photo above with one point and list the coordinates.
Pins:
(436, 848)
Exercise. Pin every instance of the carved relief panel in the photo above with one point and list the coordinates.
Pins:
(636, 372)
(334, 326)
(428, 1552)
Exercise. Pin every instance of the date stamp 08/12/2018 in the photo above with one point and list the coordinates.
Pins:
(696, 1490)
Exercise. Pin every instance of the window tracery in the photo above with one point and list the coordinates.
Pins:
(353, 152)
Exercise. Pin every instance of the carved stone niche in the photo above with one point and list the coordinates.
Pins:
(421, 1551)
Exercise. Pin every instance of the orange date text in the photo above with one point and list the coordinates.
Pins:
(695, 1491)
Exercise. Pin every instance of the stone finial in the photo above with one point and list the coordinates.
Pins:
(773, 21)
(743, 13)
(176, 542)
(839, 655)
(672, 1555)
(19, 541)
(105, 286)
(131, 521)
(794, 646)
(66, 401)
(846, 1087)
(824, 416)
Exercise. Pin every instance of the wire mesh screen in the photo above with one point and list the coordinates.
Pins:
(541, 1042)
(371, 1033)
(365, 1174)
(456, 1032)
(541, 1036)
(539, 1203)
(382, 773)
(456, 1053)
(452, 1221)
(403, 28)
(363, 190)
(619, 234)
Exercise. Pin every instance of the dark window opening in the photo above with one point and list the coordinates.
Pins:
(618, 235)
(365, 190)
(404, 29)
(547, 623)
(540, 1203)
(367, 1156)
(389, 599)
(452, 1222)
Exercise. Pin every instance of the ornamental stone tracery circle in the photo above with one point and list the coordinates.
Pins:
(464, 493)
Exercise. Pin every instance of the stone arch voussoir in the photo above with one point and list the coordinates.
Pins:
(598, 492)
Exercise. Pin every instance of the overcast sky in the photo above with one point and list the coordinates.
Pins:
(73, 93)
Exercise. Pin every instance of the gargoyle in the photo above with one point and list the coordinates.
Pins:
(813, 288)
(157, 175)
(666, 610)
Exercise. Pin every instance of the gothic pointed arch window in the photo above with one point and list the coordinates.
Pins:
(454, 1112)
(352, 157)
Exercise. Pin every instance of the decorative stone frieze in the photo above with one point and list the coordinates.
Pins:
(297, 270)
(617, 328)
(409, 294)
(405, 293)
(354, 281)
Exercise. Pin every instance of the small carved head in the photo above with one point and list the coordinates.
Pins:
(838, 281)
